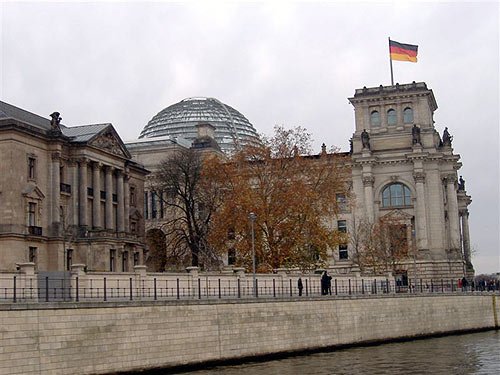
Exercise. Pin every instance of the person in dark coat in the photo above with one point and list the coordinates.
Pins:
(324, 284)
(300, 286)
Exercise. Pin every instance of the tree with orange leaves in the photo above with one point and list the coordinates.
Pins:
(293, 194)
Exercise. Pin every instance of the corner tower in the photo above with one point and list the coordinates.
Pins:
(403, 168)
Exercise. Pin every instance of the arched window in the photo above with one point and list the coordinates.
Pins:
(396, 195)
(391, 117)
(408, 115)
(375, 118)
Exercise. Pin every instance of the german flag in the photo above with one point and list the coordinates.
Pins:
(403, 52)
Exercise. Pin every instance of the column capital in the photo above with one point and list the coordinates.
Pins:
(368, 180)
(97, 164)
(56, 156)
(83, 160)
(450, 178)
(419, 177)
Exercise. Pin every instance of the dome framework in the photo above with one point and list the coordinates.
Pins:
(232, 129)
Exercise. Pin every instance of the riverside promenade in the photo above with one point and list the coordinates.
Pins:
(119, 335)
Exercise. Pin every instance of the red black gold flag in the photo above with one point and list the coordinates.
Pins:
(403, 52)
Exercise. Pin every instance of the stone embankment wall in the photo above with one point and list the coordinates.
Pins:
(105, 338)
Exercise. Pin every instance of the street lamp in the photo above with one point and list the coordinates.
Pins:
(252, 216)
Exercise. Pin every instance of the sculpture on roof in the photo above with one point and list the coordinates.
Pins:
(55, 122)
(461, 184)
(447, 138)
(365, 139)
(415, 134)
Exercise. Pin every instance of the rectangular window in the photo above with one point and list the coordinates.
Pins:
(146, 210)
(112, 260)
(136, 258)
(133, 197)
(342, 226)
(343, 253)
(133, 227)
(161, 205)
(31, 214)
(341, 201)
(31, 168)
(125, 261)
(153, 205)
(69, 259)
(32, 255)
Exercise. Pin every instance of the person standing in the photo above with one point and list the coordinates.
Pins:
(300, 286)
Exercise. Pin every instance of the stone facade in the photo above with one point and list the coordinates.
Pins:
(67, 195)
(400, 166)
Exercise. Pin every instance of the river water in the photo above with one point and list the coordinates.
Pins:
(475, 353)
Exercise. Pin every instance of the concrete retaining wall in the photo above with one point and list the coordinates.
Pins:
(98, 338)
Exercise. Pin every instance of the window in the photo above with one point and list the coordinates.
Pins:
(31, 168)
(146, 211)
(375, 118)
(133, 227)
(112, 260)
(153, 205)
(341, 201)
(343, 253)
(342, 226)
(32, 254)
(396, 195)
(231, 257)
(162, 206)
(133, 196)
(31, 214)
(125, 261)
(136, 258)
(391, 117)
(408, 115)
(69, 259)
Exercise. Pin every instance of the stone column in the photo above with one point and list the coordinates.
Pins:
(96, 185)
(56, 191)
(465, 236)
(368, 187)
(73, 166)
(83, 192)
(109, 197)
(421, 212)
(126, 198)
(120, 223)
(452, 204)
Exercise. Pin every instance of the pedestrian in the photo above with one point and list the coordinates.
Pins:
(324, 284)
(300, 286)
(329, 284)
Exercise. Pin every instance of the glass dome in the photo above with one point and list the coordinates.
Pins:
(232, 129)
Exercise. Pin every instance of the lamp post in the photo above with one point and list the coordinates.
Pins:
(252, 216)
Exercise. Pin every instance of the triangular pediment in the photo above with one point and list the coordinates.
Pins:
(397, 215)
(33, 192)
(109, 141)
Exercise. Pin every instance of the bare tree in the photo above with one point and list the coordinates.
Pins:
(189, 201)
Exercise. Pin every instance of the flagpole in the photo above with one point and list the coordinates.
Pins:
(390, 61)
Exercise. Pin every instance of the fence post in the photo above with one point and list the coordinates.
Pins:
(349, 286)
(239, 290)
(219, 288)
(256, 288)
(442, 286)
(421, 286)
(77, 290)
(432, 287)
(199, 288)
(290, 287)
(154, 285)
(307, 289)
(46, 289)
(274, 288)
(14, 289)
(387, 285)
(178, 288)
(375, 281)
(336, 290)
(362, 286)
(105, 296)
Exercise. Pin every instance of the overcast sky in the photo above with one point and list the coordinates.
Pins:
(277, 63)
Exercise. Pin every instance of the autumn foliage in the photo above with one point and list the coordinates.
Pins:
(293, 194)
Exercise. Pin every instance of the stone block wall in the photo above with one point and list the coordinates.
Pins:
(106, 338)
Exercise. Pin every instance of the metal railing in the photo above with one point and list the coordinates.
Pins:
(108, 289)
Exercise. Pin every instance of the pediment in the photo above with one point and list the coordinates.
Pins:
(33, 192)
(397, 215)
(135, 214)
(110, 142)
